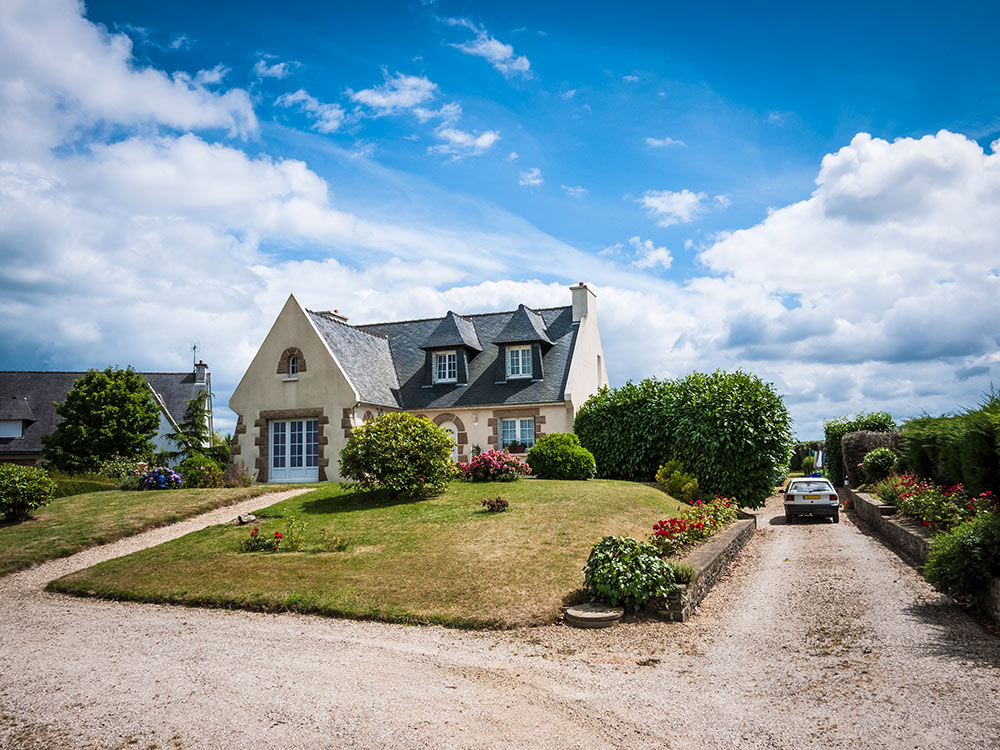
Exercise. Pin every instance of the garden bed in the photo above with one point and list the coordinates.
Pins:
(443, 560)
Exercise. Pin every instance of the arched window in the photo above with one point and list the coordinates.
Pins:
(293, 366)
(292, 363)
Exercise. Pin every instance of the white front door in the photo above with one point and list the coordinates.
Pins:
(294, 453)
(452, 431)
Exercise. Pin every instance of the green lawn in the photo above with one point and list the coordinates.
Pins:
(69, 524)
(443, 560)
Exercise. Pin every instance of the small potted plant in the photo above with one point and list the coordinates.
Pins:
(515, 447)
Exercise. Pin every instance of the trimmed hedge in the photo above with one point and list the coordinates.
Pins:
(957, 448)
(854, 446)
(560, 456)
(731, 430)
(835, 429)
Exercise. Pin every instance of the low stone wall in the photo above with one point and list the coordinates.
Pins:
(709, 561)
(910, 538)
(907, 535)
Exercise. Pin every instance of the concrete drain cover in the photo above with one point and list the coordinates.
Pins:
(593, 615)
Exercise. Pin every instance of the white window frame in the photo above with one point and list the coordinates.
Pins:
(293, 456)
(521, 429)
(516, 354)
(450, 361)
(293, 366)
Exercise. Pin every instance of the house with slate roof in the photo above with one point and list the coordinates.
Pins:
(28, 399)
(487, 379)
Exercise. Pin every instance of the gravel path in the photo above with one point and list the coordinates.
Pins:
(819, 637)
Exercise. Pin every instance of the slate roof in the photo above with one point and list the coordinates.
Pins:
(524, 325)
(40, 390)
(405, 340)
(453, 331)
(365, 358)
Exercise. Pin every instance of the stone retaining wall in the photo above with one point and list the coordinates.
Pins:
(910, 538)
(709, 561)
(905, 535)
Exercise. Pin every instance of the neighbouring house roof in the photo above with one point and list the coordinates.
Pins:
(453, 331)
(39, 391)
(16, 408)
(364, 357)
(407, 340)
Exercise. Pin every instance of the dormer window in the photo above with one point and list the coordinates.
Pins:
(518, 362)
(446, 367)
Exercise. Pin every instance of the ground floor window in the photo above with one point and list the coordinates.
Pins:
(521, 430)
(294, 450)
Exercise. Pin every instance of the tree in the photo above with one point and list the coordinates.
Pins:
(193, 436)
(106, 414)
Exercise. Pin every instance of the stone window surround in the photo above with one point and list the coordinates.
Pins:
(266, 416)
(290, 352)
(515, 413)
(462, 438)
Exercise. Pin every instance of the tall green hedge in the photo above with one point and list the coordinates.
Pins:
(730, 429)
(957, 448)
(876, 421)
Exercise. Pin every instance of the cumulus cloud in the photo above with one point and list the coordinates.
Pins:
(531, 177)
(263, 69)
(663, 142)
(574, 191)
(447, 113)
(398, 92)
(461, 143)
(669, 208)
(649, 255)
(327, 117)
(501, 56)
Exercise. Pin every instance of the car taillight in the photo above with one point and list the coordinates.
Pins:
(834, 498)
(790, 498)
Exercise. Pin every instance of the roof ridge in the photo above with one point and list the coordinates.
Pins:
(331, 319)
(470, 315)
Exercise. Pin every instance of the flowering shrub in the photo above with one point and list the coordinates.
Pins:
(622, 571)
(495, 504)
(493, 466)
(119, 467)
(939, 508)
(199, 471)
(258, 542)
(161, 478)
(698, 522)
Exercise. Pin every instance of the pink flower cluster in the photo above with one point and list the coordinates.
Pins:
(492, 466)
(935, 506)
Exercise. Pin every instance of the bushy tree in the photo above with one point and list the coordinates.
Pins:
(22, 489)
(835, 429)
(560, 456)
(107, 413)
(731, 430)
(400, 454)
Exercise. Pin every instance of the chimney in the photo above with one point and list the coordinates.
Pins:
(334, 315)
(584, 301)
(200, 371)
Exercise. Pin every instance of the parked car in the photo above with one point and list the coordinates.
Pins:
(811, 496)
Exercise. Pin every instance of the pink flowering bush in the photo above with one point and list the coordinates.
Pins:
(698, 522)
(493, 466)
(939, 508)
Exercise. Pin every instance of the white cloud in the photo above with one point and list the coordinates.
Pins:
(630, 78)
(531, 177)
(180, 41)
(513, 156)
(569, 94)
(650, 256)
(447, 113)
(725, 201)
(397, 92)
(663, 142)
(59, 72)
(501, 56)
(327, 117)
(278, 70)
(669, 208)
(574, 191)
(211, 76)
(461, 143)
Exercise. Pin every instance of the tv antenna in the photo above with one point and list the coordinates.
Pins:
(194, 353)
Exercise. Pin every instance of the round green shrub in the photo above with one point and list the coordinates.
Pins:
(878, 463)
(22, 489)
(808, 464)
(624, 572)
(962, 560)
(398, 453)
(201, 471)
(560, 456)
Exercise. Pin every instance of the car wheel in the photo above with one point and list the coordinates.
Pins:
(836, 516)
(788, 519)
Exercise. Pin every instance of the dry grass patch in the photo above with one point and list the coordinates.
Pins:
(442, 560)
(70, 524)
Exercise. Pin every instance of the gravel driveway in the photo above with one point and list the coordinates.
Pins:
(819, 637)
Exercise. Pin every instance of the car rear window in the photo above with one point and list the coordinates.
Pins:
(810, 487)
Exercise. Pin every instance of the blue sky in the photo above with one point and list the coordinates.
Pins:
(811, 194)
